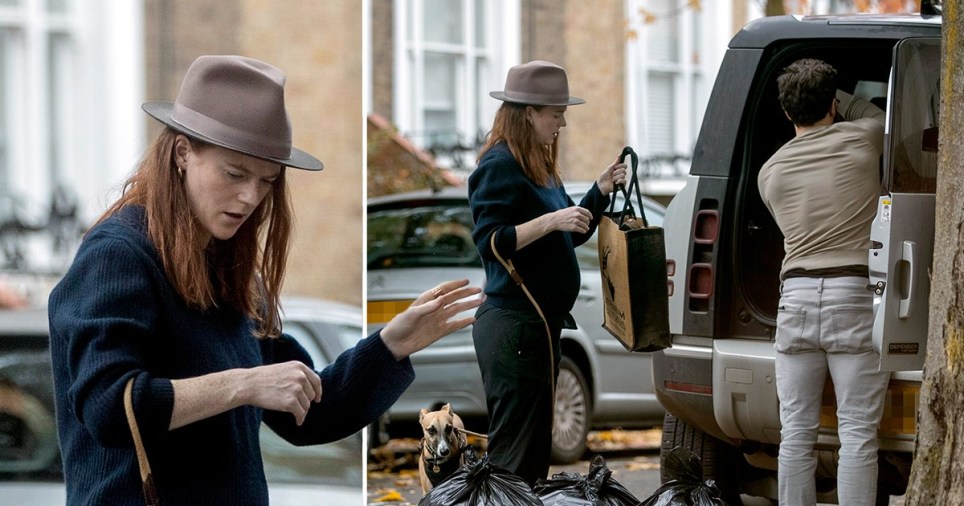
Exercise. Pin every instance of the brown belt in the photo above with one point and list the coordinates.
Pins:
(859, 271)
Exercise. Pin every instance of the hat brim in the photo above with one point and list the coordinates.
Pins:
(298, 159)
(500, 95)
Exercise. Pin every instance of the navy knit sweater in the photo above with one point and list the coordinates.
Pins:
(501, 197)
(115, 316)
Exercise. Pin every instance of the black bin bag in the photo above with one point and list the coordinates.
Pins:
(598, 488)
(686, 486)
(481, 483)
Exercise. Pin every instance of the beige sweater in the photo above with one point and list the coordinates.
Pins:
(822, 186)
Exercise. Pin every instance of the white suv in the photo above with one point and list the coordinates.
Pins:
(724, 250)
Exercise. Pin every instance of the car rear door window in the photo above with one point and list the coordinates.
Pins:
(430, 235)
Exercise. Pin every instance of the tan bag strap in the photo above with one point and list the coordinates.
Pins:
(514, 274)
(147, 479)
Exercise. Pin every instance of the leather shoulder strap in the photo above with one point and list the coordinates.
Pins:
(518, 279)
(147, 479)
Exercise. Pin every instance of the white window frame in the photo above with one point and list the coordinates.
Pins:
(692, 82)
(95, 127)
(474, 109)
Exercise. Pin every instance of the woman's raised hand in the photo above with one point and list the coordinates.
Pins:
(614, 175)
(430, 317)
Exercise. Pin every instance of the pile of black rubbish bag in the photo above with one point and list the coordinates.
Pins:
(479, 482)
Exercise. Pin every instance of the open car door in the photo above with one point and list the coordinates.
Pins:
(903, 231)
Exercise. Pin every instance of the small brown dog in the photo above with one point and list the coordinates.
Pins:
(442, 442)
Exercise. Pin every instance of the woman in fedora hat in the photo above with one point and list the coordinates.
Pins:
(172, 302)
(526, 222)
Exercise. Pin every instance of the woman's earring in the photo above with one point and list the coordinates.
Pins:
(180, 172)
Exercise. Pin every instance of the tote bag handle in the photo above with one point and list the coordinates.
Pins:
(628, 192)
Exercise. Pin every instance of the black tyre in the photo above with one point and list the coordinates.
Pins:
(720, 461)
(571, 419)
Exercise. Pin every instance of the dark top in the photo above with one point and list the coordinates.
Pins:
(114, 316)
(501, 197)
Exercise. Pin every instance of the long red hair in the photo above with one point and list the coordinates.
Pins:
(538, 161)
(244, 272)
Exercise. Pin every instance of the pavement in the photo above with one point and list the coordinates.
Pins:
(632, 456)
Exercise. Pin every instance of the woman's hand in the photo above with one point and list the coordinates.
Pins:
(429, 318)
(569, 219)
(290, 387)
(614, 175)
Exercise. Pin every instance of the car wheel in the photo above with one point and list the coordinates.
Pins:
(570, 422)
(719, 460)
(28, 432)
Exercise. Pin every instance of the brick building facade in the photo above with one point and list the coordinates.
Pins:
(317, 45)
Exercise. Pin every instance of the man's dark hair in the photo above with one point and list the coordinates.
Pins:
(807, 88)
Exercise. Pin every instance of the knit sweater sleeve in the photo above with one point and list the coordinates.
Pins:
(595, 201)
(101, 318)
(356, 389)
(494, 201)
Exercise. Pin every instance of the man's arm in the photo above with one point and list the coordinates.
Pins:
(852, 108)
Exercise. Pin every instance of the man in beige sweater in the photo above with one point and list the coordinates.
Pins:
(821, 188)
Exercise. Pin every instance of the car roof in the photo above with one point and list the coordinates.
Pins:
(448, 192)
(582, 187)
(301, 307)
(34, 320)
(762, 32)
(461, 192)
(26, 321)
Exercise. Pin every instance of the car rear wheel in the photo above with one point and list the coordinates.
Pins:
(720, 461)
(571, 419)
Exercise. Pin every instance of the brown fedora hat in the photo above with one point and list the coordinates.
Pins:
(236, 103)
(537, 83)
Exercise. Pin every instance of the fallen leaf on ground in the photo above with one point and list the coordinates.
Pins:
(642, 466)
(390, 495)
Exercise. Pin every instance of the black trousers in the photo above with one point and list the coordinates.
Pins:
(513, 352)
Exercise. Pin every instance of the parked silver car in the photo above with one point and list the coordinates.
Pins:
(418, 239)
(30, 467)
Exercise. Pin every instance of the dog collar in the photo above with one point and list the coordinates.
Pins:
(437, 472)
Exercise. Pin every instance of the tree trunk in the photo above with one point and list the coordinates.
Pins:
(937, 476)
(775, 8)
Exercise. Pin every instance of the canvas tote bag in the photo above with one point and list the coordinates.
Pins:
(632, 259)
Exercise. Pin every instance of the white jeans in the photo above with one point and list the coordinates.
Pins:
(825, 324)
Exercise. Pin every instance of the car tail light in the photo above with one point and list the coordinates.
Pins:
(701, 281)
(701, 275)
(707, 226)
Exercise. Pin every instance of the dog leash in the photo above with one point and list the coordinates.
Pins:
(514, 274)
(476, 434)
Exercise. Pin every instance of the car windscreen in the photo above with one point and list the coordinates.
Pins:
(421, 234)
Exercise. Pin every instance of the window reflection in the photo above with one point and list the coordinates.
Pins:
(912, 146)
